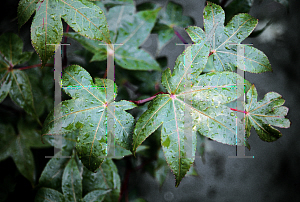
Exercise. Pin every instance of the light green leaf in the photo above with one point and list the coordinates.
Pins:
(87, 111)
(95, 196)
(106, 178)
(47, 194)
(85, 18)
(264, 113)
(25, 10)
(46, 29)
(71, 182)
(224, 42)
(172, 16)
(130, 29)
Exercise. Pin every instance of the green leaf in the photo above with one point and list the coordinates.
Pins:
(71, 182)
(18, 147)
(106, 178)
(283, 2)
(172, 16)
(7, 137)
(84, 17)
(46, 29)
(130, 29)
(121, 152)
(264, 113)
(30, 136)
(5, 78)
(236, 7)
(21, 92)
(111, 3)
(87, 111)
(67, 142)
(23, 159)
(95, 196)
(25, 10)
(201, 147)
(11, 54)
(208, 116)
(47, 194)
(223, 45)
(192, 171)
(11, 46)
(51, 176)
(161, 168)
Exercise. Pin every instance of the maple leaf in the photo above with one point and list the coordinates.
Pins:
(46, 30)
(264, 113)
(225, 41)
(198, 96)
(13, 81)
(62, 181)
(18, 147)
(87, 111)
(129, 29)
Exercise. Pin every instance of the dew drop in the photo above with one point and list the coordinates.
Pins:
(232, 114)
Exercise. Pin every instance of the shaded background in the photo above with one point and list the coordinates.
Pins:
(273, 174)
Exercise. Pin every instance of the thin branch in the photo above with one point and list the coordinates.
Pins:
(124, 187)
(180, 37)
(36, 65)
(138, 102)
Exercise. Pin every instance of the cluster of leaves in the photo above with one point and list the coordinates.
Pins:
(194, 101)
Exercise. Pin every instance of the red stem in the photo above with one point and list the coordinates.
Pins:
(147, 99)
(36, 65)
(239, 110)
(180, 37)
(124, 187)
